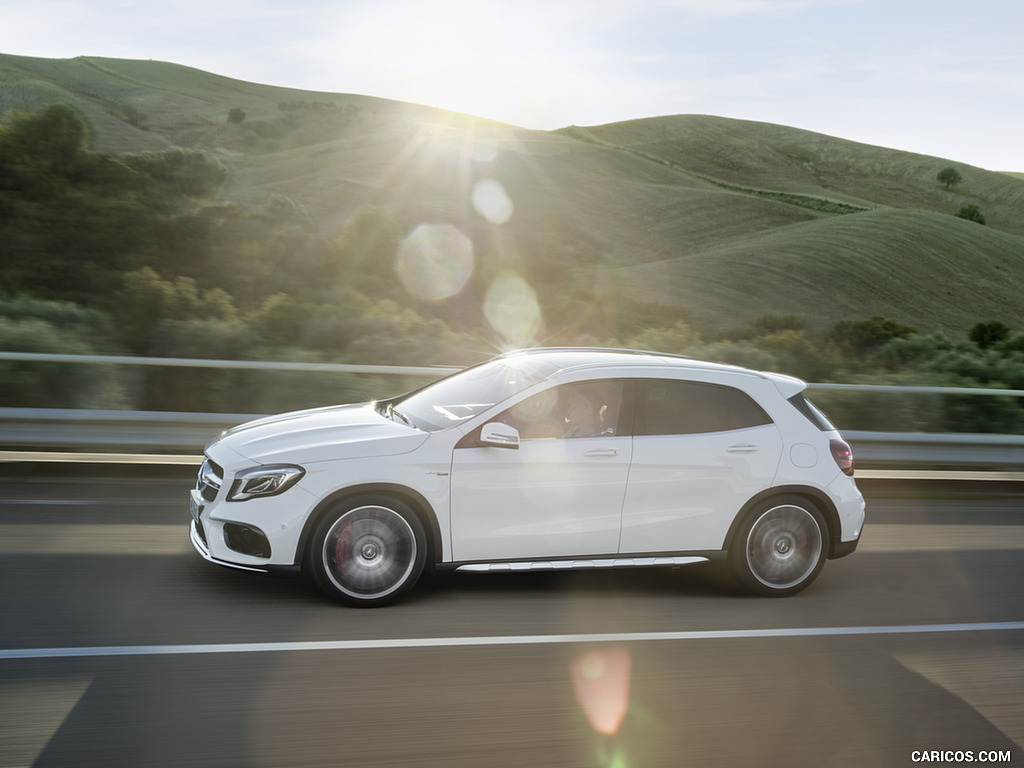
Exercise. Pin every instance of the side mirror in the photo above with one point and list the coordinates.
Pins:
(498, 435)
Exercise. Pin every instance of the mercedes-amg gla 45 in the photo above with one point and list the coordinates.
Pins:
(537, 460)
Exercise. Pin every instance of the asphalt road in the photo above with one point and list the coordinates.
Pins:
(120, 647)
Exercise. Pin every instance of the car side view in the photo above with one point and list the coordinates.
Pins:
(541, 459)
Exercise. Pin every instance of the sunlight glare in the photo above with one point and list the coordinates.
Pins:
(483, 153)
(512, 310)
(435, 261)
(600, 680)
(491, 202)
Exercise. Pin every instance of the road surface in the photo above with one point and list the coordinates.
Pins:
(120, 647)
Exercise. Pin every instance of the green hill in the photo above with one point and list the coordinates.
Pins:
(725, 219)
(938, 272)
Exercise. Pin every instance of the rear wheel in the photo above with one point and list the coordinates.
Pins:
(368, 551)
(781, 547)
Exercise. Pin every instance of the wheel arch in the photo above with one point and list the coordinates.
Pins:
(819, 498)
(414, 500)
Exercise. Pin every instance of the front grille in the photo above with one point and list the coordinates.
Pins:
(211, 477)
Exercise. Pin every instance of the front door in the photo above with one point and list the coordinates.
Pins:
(560, 494)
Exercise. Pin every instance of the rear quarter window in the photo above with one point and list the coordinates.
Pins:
(808, 409)
(672, 407)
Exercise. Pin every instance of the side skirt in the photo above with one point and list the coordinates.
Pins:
(565, 565)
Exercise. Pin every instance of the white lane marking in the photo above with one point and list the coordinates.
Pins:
(75, 539)
(452, 642)
(101, 458)
(89, 502)
(922, 537)
(52, 502)
(938, 474)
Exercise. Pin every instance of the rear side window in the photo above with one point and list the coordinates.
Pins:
(807, 408)
(688, 407)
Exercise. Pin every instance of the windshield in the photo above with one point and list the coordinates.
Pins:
(468, 393)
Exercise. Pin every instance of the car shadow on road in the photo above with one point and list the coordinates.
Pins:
(702, 580)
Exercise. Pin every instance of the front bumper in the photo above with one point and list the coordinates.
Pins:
(260, 534)
(198, 538)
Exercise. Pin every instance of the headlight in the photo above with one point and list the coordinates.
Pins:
(268, 480)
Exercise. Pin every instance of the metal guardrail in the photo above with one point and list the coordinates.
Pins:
(194, 362)
(892, 449)
(404, 370)
(33, 431)
(66, 429)
(165, 433)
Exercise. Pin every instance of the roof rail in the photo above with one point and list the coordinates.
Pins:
(621, 351)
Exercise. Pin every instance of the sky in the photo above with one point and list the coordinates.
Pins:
(937, 77)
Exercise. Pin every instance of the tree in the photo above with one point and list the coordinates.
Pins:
(987, 334)
(950, 177)
(54, 138)
(236, 115)
(186, 172)
(366, 249)
(862, 336)
(971, 213)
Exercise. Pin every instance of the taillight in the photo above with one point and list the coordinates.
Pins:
(843, 455)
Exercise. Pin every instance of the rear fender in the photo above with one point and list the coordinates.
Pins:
(820, 500)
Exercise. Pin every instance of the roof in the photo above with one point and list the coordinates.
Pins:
(567, 358)
(574, 357)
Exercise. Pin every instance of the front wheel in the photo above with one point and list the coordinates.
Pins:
(368, 551)
(780, 548)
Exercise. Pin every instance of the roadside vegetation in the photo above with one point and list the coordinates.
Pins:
(140, 254)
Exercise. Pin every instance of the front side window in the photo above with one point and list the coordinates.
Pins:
(688, 407)
(580, 409)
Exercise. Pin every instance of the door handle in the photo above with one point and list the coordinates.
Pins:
(743, 448)
(601, 453)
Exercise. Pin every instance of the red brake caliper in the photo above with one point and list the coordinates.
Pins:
(343, 547)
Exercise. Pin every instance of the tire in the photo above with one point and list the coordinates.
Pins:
(368, 551)
(780, 548)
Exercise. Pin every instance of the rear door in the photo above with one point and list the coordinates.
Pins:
(700, 451)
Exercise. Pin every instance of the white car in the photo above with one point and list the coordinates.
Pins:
(538, 459)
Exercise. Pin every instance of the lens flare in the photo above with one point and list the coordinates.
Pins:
(491, 201)
(511, 308)
(600, 680)
(435, 261)
(484, 153)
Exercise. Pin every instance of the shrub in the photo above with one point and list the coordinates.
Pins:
(55, 385)
(971, 213)
(987, 334)
(676, 339)
(859, 337)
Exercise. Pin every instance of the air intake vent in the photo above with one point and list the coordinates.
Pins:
(246, 540)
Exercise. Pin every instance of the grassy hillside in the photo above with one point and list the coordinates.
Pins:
(925, 269)
(760, 156)
(724, 219)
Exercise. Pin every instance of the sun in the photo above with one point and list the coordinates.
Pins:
(487, 59)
